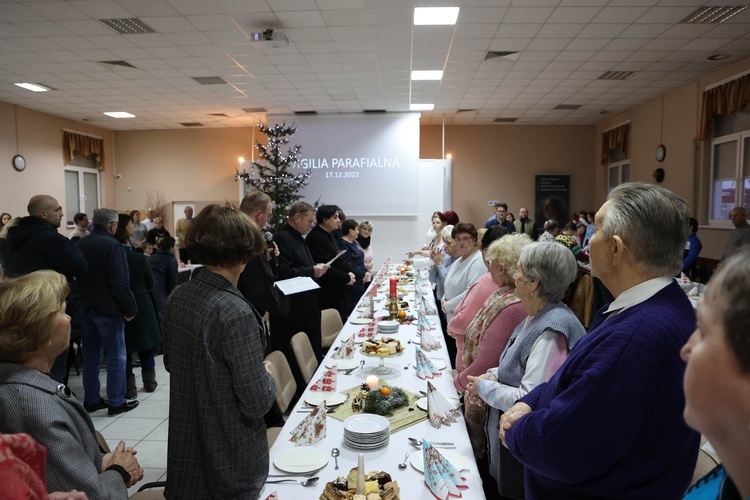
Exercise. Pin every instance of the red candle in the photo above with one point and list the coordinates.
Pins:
(393, 287)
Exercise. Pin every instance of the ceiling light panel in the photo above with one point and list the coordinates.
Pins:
(119, 114)
(34, 87)
(421, 107)
(427, 75)
(435, 16)
(713, 15)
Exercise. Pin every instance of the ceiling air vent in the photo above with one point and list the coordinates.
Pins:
(192, 124)
(374, 111)
(505, 120)
(209, 80)
(713, 14)
(568, 106)
(493, 54)
(468, 110)
(127, 26)
(617, 75)
(118, 63)
(305, 112)
(219, 114)
(255, 110)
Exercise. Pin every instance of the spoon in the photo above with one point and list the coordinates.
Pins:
(306, 482)
(335, 454)
(406, 457)
(417, 442)
(362, 364)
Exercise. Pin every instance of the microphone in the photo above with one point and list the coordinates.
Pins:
(269, 240)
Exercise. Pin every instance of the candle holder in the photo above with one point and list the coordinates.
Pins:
(381, 369)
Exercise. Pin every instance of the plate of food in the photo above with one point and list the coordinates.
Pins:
(382, 347)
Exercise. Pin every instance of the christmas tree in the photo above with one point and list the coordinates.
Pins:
(272, 172)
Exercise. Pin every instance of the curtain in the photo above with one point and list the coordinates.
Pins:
(723, 100)
(85, 145)
(616, 138)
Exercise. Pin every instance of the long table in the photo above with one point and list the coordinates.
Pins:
(410, 481)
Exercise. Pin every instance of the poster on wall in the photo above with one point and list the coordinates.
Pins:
(552, 199)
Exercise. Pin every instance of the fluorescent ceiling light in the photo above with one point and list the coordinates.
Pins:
(427, 75)
(421, 107)
(435, 15)
(32, 87)
(119, 114)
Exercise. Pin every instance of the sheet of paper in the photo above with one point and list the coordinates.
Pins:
(341, 252)
(296, 285)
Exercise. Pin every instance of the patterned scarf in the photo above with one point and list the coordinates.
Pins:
(495, 303)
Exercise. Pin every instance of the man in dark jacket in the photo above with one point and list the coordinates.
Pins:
(35, 244)
(108, 303)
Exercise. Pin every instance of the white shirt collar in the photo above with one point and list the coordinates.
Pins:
(637, 294)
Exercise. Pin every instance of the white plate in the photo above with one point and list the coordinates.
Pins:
(331, 398)
(366, 423)
(301, 459)
(388, 324)
(437, 362)
(342, 364)
(460, 462)
(360, 321)
(422, 403)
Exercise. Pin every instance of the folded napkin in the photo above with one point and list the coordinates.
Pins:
(440, 476)
(428, 341)
(425, 368)
(439, 410)
(346, 351)
(312, 428)
(326, 383)
(368, 331)
(273, 496)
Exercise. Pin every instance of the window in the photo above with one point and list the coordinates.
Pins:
(730, 166)
(618, 169)
(81, 187)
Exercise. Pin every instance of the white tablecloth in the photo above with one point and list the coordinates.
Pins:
(410, 481)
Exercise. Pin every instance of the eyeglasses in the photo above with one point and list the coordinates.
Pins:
(464, 240)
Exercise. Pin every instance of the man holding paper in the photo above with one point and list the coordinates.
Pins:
(295, 260)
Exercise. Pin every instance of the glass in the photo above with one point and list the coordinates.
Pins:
(90, 192)
(464, 240)
(72, 197)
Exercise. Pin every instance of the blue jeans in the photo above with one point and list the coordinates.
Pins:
(104, 333)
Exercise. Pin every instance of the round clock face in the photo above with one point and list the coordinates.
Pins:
(19, 162)
(661, 152)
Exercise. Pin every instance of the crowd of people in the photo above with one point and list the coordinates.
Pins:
(553, 409)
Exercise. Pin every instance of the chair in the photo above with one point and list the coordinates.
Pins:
(330, 326)
(286, 387)
(271, 434)
(303, 353)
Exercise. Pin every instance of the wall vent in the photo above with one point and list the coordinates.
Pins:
(617, 75)
(569, 107)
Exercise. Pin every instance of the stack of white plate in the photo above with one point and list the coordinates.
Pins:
(366, 431)
(388, 327)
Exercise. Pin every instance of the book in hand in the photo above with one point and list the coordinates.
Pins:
(296, 285)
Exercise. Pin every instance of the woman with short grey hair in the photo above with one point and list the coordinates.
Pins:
(536, 348)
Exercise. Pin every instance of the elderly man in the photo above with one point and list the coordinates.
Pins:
(179, 232)
(609, 423)
(149, 220)
(740, 235)
(35, 244)
(108, 303)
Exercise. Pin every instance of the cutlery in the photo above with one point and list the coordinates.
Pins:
(349, 370)
(307, 482)
(291, 474)
(335, 454)
(417, 442)
(362, 364)
(406, 457)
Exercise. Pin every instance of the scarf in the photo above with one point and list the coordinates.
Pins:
(364, 242)
(495, 303)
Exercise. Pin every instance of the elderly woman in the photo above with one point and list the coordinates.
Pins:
(364, 240)
(34, 330)
(536, 348)
(717, 378)
(354, 258)
(220, 387)
(551, 230)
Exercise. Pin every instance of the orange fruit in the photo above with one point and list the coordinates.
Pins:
(402, 314)
(385, 391)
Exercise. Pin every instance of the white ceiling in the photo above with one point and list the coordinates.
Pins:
(352, 55)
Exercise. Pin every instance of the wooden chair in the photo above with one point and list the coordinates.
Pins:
(330, 326)
(303, 353)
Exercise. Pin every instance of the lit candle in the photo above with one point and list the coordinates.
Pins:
(361, 472)
(372, 382)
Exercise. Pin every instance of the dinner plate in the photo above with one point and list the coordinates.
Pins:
(460, 462)
(360, 321)
(301, 459)
(366, 423)
(331, 398)
(422, 403)
(386, 324)
(342, 364)
(437, 362)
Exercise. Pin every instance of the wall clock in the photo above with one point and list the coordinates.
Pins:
(19, 162)
(661, 152)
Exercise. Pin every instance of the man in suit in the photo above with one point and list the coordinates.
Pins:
(108, 303)
(525, 225)
(35, 244)
(296, 260)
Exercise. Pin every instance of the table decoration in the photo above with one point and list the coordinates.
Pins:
(312, 428)
(400, 418)
(460, 462)
(346, 351)
(380, 400)
(428, 341)
(425, 367)
(382, 348)
(326, 383)
(440, 476)
(439, 411)
(367, 332)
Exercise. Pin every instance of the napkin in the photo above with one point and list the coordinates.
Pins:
(439, 410)
(326, 383)
(425, 368)
(312, 428)
(368, 331)
(273, 496)
(427, 340)
(346, 351)
(440, 476)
